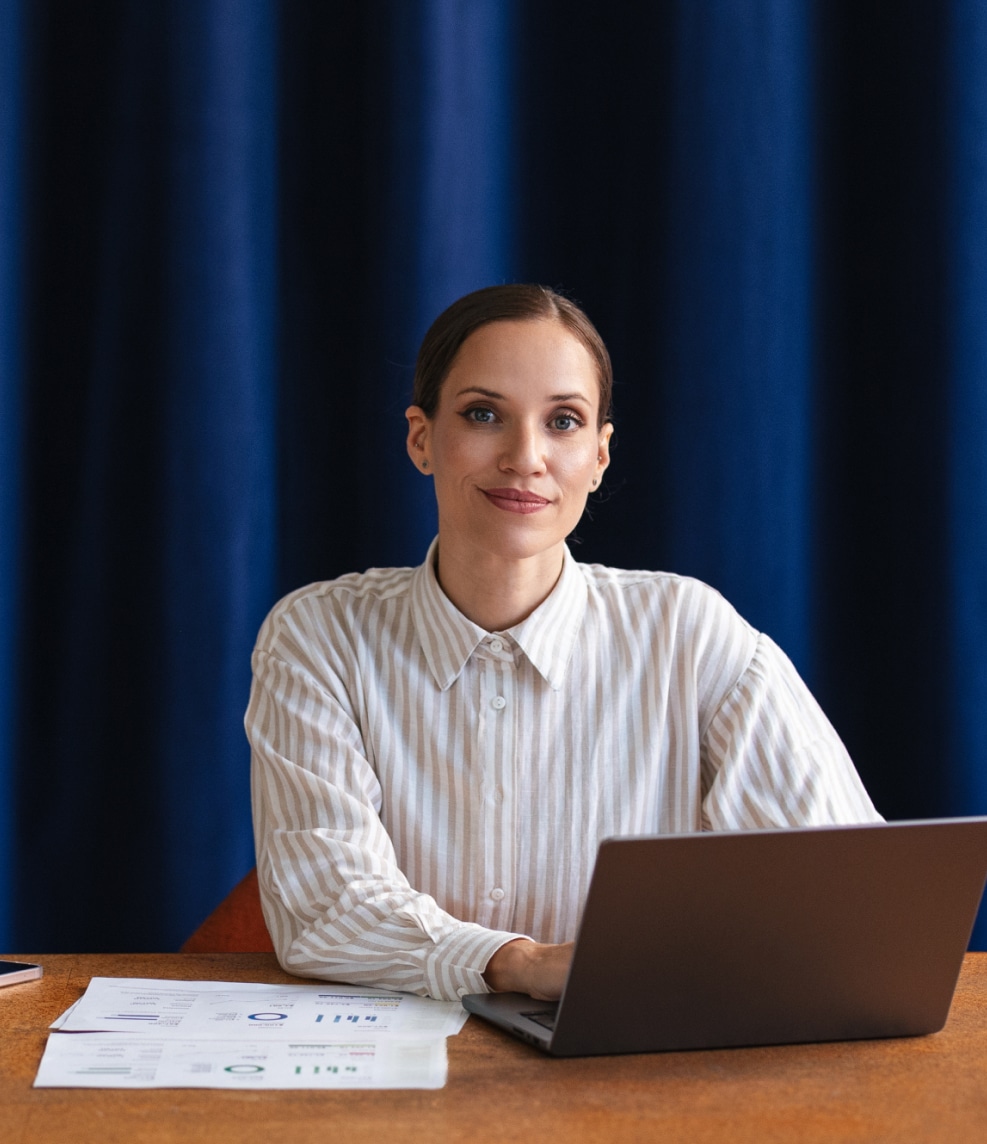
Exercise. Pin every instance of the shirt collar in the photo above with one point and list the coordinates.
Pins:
(547, 637)
(447, 637)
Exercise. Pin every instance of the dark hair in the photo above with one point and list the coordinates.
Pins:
(514, 303)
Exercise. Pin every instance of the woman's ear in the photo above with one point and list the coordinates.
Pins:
(603, 452)
(419, 438)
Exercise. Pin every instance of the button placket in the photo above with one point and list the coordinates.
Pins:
(498, 787)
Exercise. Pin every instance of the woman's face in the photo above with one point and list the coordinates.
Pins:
(514, 446)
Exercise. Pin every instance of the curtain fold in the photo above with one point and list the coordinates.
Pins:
(12, 102)
(737, 332)
(966, 401)
(150, 468)
(224, 228)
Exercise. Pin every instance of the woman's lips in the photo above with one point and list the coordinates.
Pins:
(515, 500)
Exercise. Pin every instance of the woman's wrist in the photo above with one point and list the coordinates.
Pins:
(507, 970)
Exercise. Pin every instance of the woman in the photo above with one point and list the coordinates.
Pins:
(438, 751)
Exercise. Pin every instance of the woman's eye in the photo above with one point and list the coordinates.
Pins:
(480, 415)
(565, 422)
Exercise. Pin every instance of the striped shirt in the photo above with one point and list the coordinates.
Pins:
(424, 790)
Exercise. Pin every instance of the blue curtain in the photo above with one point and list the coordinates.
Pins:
(224, 227)
(11, 388)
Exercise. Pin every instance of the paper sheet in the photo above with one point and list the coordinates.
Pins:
(147, 1033)
(231, 1009)
(111, 1060)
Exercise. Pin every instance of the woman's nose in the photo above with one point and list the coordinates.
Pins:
(524, 452)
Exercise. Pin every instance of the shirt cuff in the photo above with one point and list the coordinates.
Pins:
(455, 966)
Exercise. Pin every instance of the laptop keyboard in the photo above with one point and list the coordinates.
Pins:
(544, 1017)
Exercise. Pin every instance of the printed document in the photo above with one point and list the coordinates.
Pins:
(146, 1033)
(113, 1060)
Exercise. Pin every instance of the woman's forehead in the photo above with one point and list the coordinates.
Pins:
(541, 353)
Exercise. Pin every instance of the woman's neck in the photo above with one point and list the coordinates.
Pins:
(494, 592)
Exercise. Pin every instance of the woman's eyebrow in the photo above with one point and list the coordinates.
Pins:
(492, 393)
(482, 392)
(570, 397)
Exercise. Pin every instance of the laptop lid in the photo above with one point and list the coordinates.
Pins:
(765, 937)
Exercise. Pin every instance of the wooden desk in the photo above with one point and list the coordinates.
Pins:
(927, 1088)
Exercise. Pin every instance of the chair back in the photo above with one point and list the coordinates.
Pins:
(236, 925)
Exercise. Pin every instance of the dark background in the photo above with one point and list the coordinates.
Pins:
(224, 227)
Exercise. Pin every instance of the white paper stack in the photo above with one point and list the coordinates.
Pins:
(144, 1033)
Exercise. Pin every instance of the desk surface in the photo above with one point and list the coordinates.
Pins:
(925, 1088)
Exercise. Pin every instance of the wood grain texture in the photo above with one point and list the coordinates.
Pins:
(922, 1089)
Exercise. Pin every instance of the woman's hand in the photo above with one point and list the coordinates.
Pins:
(524, 966)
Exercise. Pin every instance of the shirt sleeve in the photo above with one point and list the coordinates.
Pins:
(335, 901)
(770, 757)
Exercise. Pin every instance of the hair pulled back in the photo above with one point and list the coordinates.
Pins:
(518, 302)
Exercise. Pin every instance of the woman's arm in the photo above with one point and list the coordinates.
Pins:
(335, 899)
(771, 758)
(530, 967)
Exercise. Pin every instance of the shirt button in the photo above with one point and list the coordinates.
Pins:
(497, 894)
(496, 645)
(498, 703)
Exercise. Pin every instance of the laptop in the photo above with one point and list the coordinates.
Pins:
(698, 941)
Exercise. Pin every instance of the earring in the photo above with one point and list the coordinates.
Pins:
(424, 464)
(593, 483)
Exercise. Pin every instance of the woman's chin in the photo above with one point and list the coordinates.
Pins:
(519, 543)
